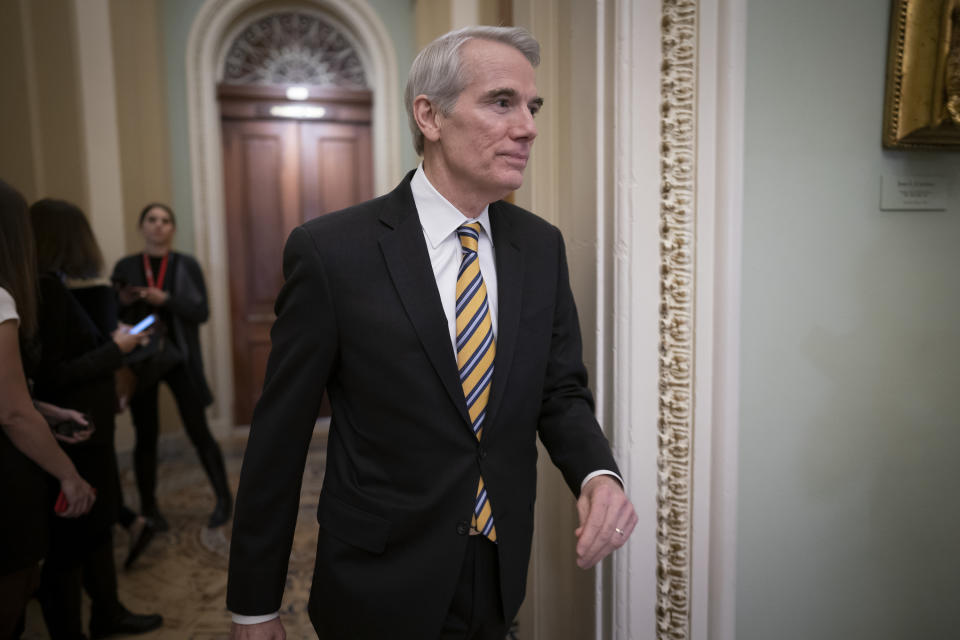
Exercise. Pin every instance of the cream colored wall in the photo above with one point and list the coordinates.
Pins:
(16, 154)
(141, 110)
(60, 143)
(44, 153)
(432, 20)
(436, 17)
(560, 186)
(98, 122)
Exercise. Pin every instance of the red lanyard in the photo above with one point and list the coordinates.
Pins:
(149, 271)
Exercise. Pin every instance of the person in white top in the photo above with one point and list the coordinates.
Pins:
(27, 445)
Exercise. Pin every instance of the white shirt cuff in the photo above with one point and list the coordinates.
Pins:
(601, 472)
(254, 619)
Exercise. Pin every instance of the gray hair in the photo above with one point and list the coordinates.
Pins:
(437, 71)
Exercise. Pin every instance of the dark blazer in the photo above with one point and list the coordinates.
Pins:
(360, 315)
(185, 311)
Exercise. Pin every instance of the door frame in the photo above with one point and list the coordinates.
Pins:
(209, 35)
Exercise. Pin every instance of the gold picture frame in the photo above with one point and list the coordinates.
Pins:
(922, 103)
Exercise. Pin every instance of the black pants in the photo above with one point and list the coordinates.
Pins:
(90, 564)
(476, 612)
(16, 589)
(146, 423)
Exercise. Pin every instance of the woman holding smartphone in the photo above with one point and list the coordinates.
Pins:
(81, 348)
(170, 285)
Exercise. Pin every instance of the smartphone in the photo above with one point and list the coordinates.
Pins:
(143, 324)
(61, 504)
(70, 427)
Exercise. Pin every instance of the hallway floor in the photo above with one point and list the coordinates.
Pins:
(183, 573)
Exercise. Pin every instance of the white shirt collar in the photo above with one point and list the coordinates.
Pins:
(438, 217)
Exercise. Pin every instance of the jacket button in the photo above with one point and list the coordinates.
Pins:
(463, 528)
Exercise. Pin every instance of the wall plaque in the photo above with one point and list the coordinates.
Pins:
(913, 193)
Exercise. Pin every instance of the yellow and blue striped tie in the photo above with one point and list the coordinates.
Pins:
(475, 351)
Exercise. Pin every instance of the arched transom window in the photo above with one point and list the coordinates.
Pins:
(293, 48)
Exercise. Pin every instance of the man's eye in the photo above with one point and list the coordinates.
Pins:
(503, 103)
(534, 110)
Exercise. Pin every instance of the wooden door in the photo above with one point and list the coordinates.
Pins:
(279, 173)
(337, 166)
(262, 205)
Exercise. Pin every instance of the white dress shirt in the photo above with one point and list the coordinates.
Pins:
(440, 221)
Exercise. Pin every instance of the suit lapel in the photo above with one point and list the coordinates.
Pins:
(509, 290)
(405, 252)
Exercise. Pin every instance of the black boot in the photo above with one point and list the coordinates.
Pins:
(141, 533)
(156, 519)
(212, 460)
(123, 621)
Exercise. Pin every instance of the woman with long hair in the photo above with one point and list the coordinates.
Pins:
(170, 285)
(81, 348)
(27, 445)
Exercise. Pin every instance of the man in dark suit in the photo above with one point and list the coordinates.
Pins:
(441, 323)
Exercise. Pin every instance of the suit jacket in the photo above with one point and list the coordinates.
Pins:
(360, 315)
(186, 308)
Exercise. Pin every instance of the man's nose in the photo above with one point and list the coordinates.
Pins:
(525, 126)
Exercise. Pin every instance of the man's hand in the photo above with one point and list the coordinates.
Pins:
(269, 630)
(607, 519)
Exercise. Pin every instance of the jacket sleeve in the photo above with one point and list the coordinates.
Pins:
(302, 356)
(62, 320)
(568, 427)
(188, 300)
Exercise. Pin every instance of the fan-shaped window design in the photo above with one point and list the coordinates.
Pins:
(293, 48)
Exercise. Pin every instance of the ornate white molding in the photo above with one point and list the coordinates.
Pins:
(630, 355)
(675, 423)
(672, 359)
(210, 35)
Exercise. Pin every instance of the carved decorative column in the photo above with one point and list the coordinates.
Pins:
(675, 420)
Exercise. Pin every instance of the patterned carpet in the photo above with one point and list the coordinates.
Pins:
(183, 573)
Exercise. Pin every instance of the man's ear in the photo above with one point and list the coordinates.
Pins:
(427, 117)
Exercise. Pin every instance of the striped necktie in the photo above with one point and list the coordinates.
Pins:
(475, 351)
